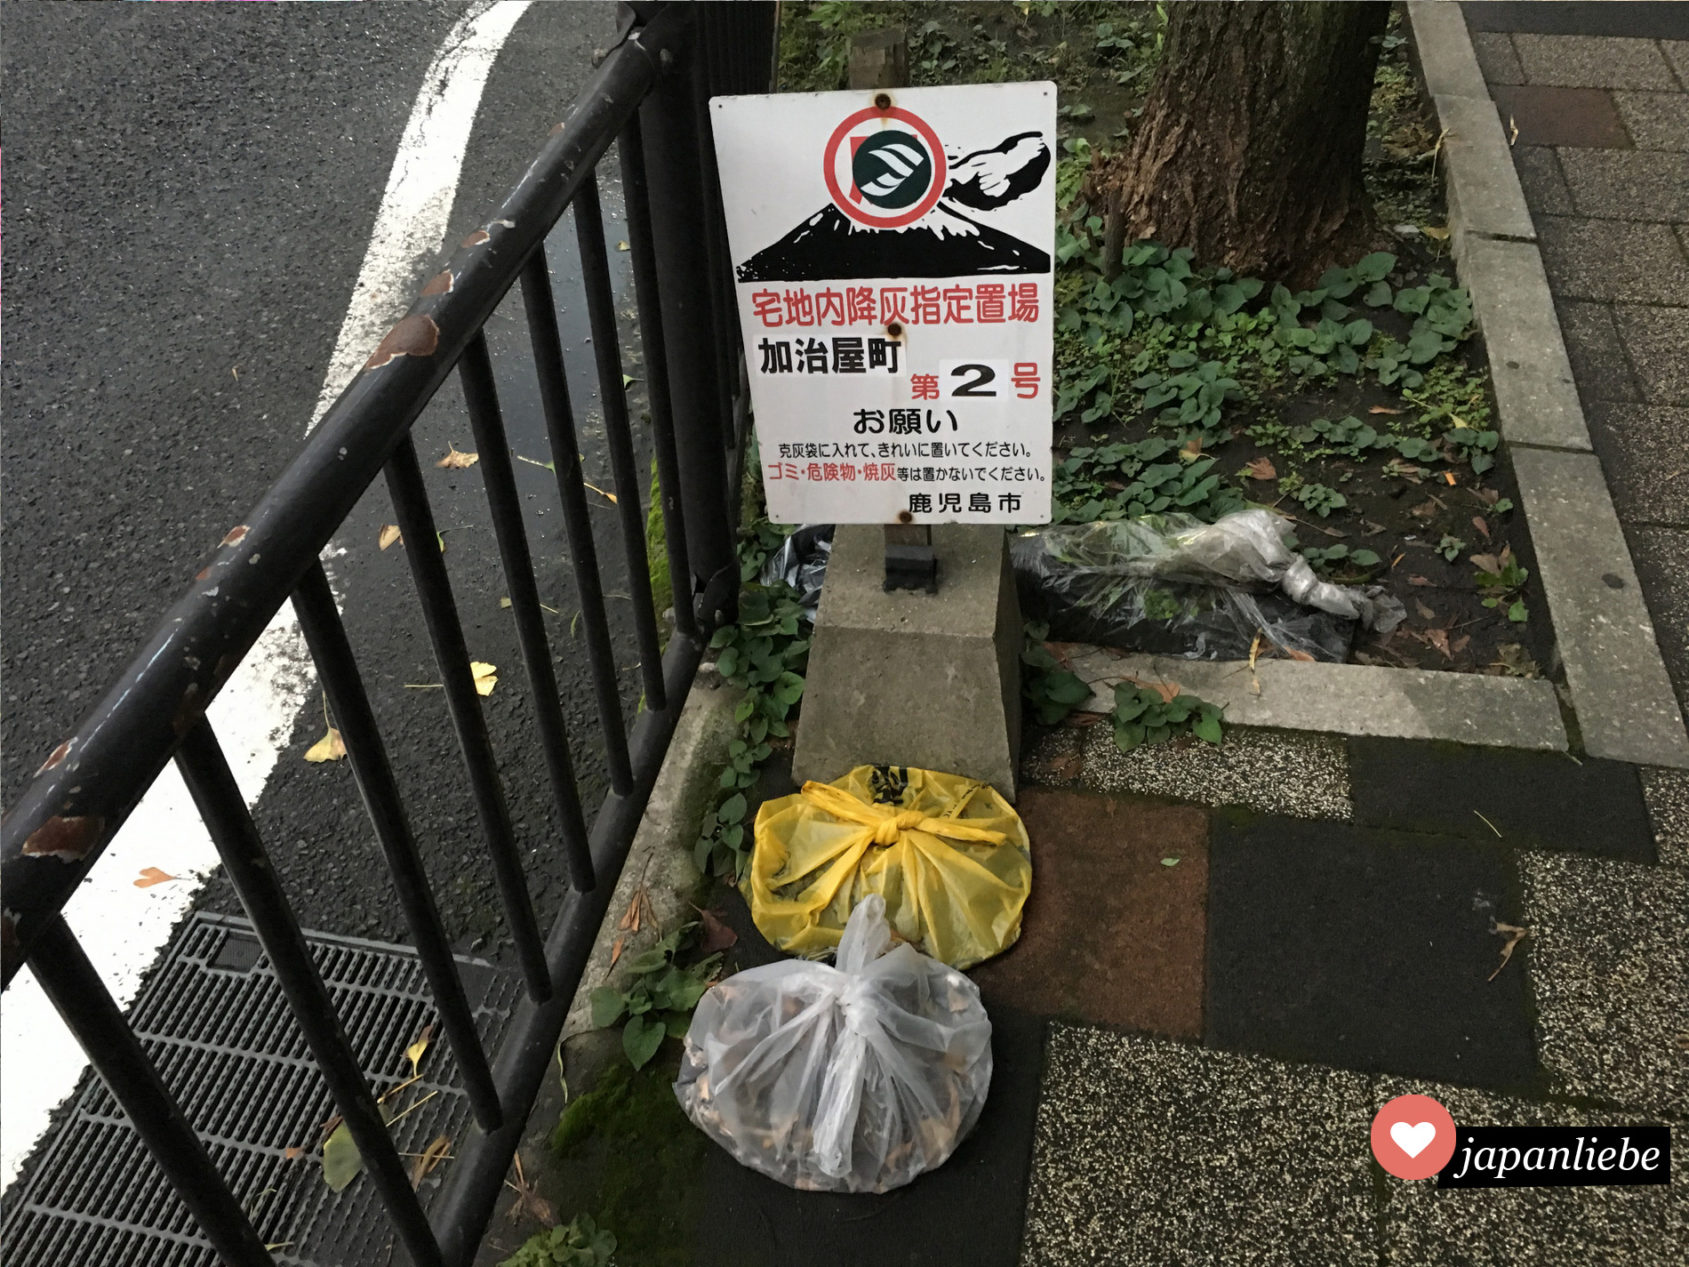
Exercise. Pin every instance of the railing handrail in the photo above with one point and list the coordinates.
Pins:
(56, 830)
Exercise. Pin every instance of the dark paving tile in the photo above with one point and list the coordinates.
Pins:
(1653, 19)
(1560, 116)
(1613, 260)
(1110, 934)
(1497, 61)
(1536, 800)
(1598, 360)
(1578, 61)
(969, 1210)
(1655, 120)
(1628, 184)
(1542, 180)
(1658, 342)
(1661, 555)
(1364, 949)
(1644, 452)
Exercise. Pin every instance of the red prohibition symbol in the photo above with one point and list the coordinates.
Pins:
(850, 206)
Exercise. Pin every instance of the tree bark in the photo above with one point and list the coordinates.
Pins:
(1249, 148)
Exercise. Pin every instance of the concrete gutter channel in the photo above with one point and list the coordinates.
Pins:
(1617, 691)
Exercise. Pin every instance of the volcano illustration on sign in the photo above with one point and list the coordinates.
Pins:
(898, 207)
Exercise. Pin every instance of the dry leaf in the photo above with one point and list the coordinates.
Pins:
(151, 876)
(1460, 644)
(456, 461)
(1482, 527)
(1167, 690)
(415, 1052)
(1425, 509)
(600, 491)
(1192, 449)
(1514, 935)
(1417, 580)
(1261, 469)
(1255, 654)
(329, 748)
(717, 934)
(1383, 409)
(293, 1153)
(423, 1164)
(1434, 233)
(528, 1201)
(1485, 562)
(486, 676)
(621, 246)
(1439, 638)
(1296, 654)
(616, 950)
(1080, 721)
(1425, 613)
(1512, 132)
(390, 535)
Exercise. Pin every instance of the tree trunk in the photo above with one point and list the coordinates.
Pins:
(1249, 149)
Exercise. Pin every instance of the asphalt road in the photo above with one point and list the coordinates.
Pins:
(190, 192)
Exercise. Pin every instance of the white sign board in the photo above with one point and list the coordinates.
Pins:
(894, 270)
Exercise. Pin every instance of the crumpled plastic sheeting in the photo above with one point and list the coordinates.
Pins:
(854, 1078)
(801, 562)
(1174, 585)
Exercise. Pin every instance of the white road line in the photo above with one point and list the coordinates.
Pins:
(122, 927)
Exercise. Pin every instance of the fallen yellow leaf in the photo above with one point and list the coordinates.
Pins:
(456, 461)
(329, 748)
(390, 535)
(486, 676)
(415, 1052)
(1434, 233)
(430, 1157)
(151, 876)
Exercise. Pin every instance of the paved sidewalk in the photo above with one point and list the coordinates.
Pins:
(1599, 94)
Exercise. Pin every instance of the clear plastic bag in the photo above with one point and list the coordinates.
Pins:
(853, 1078)
(1177, 586)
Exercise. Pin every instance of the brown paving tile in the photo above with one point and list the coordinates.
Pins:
(1110, 935)
(1561, 116)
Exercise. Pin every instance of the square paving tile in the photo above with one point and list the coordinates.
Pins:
(1365, 949)
(1496, 58)
(1677, 53)
(1111, 934)
(1654, 19)
(1655, 120)
(1504, 1227)
(1560, 116)
(1156, 1154)
(1598, 358)
(1613, 260)
(1666, 793)
(1628, 184)
(1584, 61)
(1533, 799)
(1542, 180)
(1277, 772)
(1662, 565)
(1658, 342)
(1609, 967)
(1645, 453)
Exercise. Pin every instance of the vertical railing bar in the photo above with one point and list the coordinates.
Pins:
(74, 987)
(332, 652)
(601, 310)
(577, 519)
(224, 811)
(480, 394)
(433, 587)
(636, 196)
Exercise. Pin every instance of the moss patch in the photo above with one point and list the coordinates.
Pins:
(657, 558)
(625, 1153)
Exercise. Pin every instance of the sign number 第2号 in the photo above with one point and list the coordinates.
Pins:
(894, 273)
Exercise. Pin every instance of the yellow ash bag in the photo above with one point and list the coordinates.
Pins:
(948, 854)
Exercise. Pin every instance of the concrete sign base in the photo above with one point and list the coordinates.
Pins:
(903, 678)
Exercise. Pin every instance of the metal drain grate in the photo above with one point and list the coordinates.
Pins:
(214, 1019)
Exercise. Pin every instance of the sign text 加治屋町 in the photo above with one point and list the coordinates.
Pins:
(894, 270)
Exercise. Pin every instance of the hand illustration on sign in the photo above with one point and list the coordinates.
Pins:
(901, 213)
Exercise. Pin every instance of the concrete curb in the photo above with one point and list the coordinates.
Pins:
(661, 854)
(1615, 676)
(1346, 699)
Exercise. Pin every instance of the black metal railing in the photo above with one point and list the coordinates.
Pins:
(648, 96)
